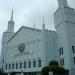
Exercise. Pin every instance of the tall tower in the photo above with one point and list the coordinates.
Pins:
(44, 42)
(6, 36)
(62, 3)
(64, 19)
(11, 24)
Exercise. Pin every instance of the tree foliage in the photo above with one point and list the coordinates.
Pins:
(45, 70)
(53, 63)
(54, 67)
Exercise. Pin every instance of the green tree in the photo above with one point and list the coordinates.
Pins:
(45, 70)
(55, 68)
(53, 63)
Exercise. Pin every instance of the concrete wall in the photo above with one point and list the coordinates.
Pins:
(65, 28)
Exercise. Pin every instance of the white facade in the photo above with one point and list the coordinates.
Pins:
(64, 19)
(30, 49)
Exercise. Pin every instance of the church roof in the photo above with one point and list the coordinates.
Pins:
(30, 28)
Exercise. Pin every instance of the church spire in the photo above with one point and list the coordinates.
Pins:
(62, 3)
(11, 24)
(34, 24)
(12, 15)
(43, 23)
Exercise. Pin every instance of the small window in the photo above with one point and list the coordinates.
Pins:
(61, 51)
(62, 62)
(16, 65)
(20, 65)
(29, 64)
(24, 64)
(13, 66)
(34, 63)
(9, 66)
(74, 60)
(6, 66)
(2, 68)
(73, 49)
(3, 60)
(39, 62)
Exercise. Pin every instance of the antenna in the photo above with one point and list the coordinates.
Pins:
(34, 24)
(12, 15)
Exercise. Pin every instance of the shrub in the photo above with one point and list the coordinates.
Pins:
(54, 67)
(45, 70)
(53, 63)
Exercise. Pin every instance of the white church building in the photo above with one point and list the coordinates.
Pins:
(29, 49)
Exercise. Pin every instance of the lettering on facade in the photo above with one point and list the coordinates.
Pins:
(23, 53)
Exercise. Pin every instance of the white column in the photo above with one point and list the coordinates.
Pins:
(50, 73)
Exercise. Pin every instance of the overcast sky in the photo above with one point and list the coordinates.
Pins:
(26, 12)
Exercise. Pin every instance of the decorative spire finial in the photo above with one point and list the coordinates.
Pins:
(34, 24)
(62, 3)
(43, 23)
(12, 15)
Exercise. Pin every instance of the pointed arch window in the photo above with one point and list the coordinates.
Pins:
(24, 64)
(39, 62)
(13, 66)
(3, 60)
(16, 65)
(9, 66)
(73, 49)
(74, 60)
(62, 61)
(20, 65)
(29, 64)
(6, 66)
(61, 51)
(34, 63)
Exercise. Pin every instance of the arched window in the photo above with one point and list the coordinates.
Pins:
(39, 62)
(20, 65)
(74, 60)
(9, 66)
(12, 65)
(3, 60)
(6, 66)
(24, 64)
(62, 61)
(73, 49)
(16, 65)
(34, 63)
(61, 51)
(29, 64)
